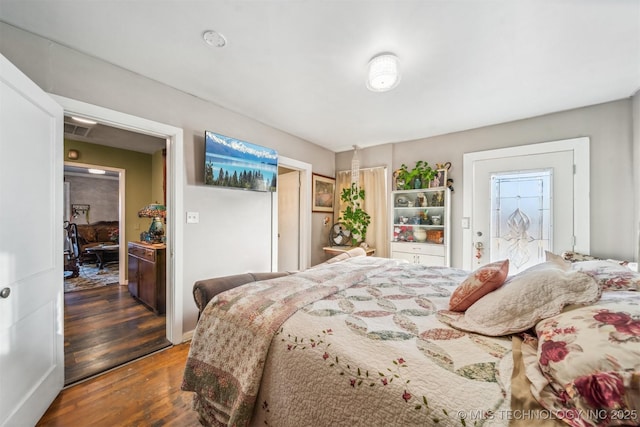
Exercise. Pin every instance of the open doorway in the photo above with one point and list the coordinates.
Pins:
(175, 205)
(105, 326)
(95, 194)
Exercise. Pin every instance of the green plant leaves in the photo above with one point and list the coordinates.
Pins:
(354, 218)
(422, 171)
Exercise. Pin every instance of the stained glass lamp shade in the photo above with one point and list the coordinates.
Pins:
(158, 213)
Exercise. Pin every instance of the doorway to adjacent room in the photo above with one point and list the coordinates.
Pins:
(105, 326)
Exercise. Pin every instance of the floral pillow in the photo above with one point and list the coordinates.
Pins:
(486, 279)
(585, 363)
(578, 257)
(610, 276)
(536, 293)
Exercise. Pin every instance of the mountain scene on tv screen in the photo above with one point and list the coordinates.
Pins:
(233, 163)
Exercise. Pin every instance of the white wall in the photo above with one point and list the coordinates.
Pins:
(234, 233)
(609, 127)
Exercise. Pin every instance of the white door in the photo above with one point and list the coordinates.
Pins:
(289, 221)
(524, 204)
(31, 242)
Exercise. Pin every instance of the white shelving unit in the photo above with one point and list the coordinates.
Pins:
(420, 226)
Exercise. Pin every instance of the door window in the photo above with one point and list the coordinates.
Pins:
(521, 220)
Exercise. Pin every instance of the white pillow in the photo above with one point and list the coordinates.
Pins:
(534, 294)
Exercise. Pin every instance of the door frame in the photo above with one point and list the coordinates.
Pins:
(581, 201)
(304, 255)
(175, 173)
(122, 251)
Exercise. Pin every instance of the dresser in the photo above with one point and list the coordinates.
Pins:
(147, 274)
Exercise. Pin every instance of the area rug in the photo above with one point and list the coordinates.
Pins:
(91, 277)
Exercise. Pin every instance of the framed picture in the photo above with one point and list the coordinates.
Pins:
(440, 180)
(233, 163)
(323, 189)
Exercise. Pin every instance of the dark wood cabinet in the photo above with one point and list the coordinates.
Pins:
(147, 276)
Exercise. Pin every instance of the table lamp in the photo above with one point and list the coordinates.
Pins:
(157, 212)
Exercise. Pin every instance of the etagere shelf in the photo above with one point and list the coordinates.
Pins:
(420, 225)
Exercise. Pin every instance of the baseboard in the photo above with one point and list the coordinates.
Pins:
(187, 336)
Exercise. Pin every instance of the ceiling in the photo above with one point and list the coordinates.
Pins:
(300, 66)
(84, 171)
(97, 133)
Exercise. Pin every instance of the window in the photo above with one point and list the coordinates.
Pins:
(521, 220)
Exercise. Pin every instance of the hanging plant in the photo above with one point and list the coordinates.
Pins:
(354, 218)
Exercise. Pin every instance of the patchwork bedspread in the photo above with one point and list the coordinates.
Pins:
(352, 343)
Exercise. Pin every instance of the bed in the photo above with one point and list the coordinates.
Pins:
(370, 341)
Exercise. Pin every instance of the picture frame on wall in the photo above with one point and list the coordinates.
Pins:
(323, 191)
(440, 180)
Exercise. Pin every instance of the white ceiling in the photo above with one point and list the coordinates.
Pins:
(300, 66)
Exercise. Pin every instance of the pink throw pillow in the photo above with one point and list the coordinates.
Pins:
(486, 279)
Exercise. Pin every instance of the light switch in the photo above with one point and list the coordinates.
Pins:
(465, 222)
(193, 217)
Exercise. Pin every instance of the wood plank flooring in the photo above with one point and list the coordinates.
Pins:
(106, 327)
(143, 393)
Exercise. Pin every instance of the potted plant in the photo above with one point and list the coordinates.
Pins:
(354, 218)
(418, 177)
(403, 178)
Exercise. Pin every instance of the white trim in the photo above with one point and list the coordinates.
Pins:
(188, 336)
(175, 184)
(305, 214)
(581, 188)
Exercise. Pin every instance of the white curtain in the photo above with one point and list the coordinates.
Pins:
(374, 183)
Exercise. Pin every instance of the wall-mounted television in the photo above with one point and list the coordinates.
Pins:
(233, 163)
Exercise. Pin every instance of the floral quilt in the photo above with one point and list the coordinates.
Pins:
(352, 343)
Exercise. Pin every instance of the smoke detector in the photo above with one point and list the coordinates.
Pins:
(213, 38)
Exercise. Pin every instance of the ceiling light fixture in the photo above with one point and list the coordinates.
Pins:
(86, 121)
(73, 154)
(97, 171)
(383, 73)
(214, 38)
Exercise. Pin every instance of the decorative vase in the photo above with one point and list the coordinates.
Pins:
(420, 234)
(417, 183)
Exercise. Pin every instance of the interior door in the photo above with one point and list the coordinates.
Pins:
(31, 254)
(522, 206)
(289, 221)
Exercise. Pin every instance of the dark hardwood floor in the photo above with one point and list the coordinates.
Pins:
(106, 327)
(142, 393)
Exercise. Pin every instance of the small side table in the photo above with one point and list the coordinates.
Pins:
(101, 251)
(337, 250)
